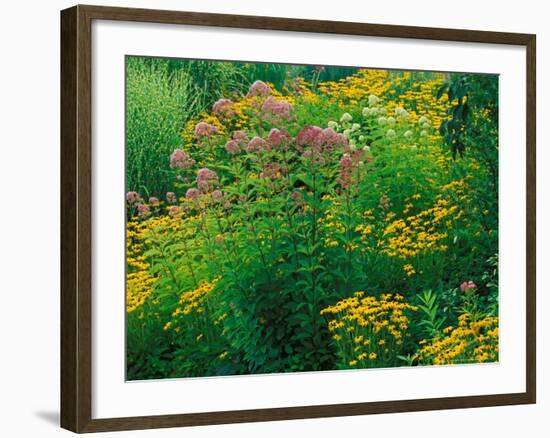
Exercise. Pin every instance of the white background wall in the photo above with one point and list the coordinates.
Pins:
(29, 215)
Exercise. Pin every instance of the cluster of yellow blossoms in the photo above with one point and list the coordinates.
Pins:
(139, 237)
(472, 341)
(366, 230)
(410, 236)
(139, 281)
(368, 331)
(356, 88)
(330, 223)
(420, 98)
(194, 299)
(302, 88)
(192, 317)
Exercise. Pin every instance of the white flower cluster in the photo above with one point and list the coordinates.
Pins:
(346, 117)
(401, 113)
(425, 125)
(389, 123)
(373, 100)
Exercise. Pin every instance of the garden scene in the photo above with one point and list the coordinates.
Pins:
(285, 218)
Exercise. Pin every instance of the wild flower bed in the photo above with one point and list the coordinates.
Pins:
(321, 226)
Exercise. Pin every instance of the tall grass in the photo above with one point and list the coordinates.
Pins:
(158, 104)
(212, 80)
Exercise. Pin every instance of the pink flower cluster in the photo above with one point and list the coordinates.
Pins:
(174, 210)
(181, 160)
(171, 197)
(223, 107)
(313, 141)
(240, 136)
(143, 210)
(325, 139)
(272, 171)
(348, 163)
(206, 179)
(192, 193)
(133, 198)
(217, 195)
(257, 144)
(258, 88)
(278, 137)
(333, 140)
(309, 135)
(276, 110)
(204, 129)
(232, 147)
(346, 170)
(468, 286)
(237, 143)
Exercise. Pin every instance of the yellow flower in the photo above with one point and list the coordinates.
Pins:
(379, 320)
(471, 341)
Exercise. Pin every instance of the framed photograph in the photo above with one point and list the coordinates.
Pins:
(269, 219)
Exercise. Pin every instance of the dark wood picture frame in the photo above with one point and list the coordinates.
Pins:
(76, 218)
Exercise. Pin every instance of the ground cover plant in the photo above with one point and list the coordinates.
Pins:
(297, 218)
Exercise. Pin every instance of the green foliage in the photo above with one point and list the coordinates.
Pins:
(157, 104)
(432, 322)
(472, 128)
(490, 279)
(281, 75)
(211, 81)
(476, 98)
